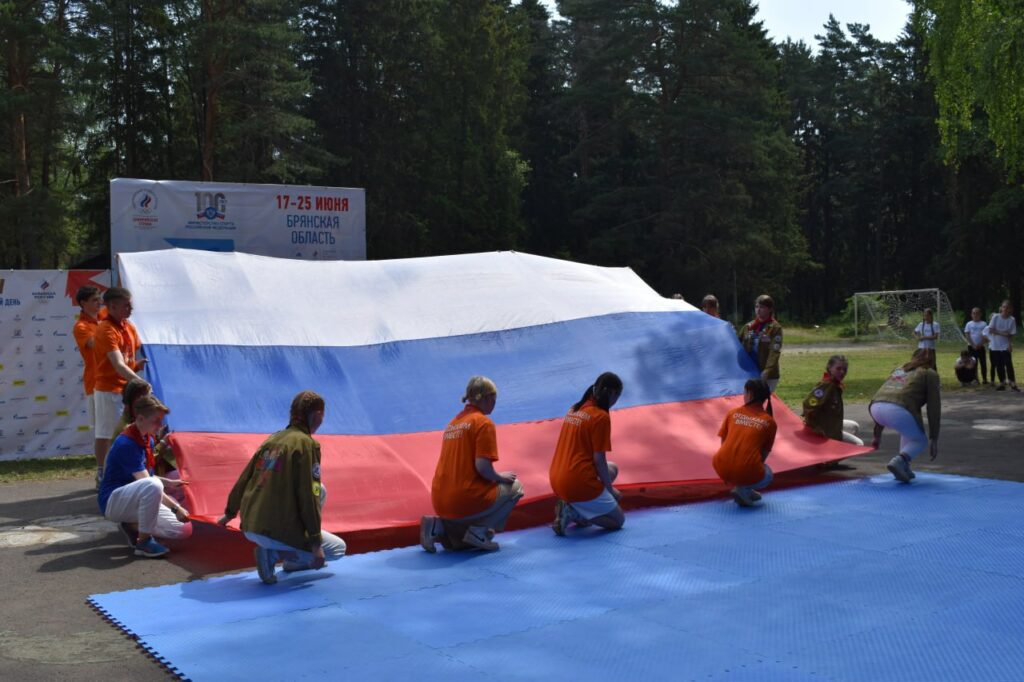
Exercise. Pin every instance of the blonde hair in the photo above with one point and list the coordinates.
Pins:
(147, 405)
(920, 358)
(477, 388)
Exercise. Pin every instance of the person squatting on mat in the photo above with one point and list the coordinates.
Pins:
(131, 496)
(823, 406)
(472, 501)
(580, 472)
(897, 405)
(747, 433)
(280, 495)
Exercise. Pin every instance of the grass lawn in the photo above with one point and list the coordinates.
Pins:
(47, 469)
(870, 364)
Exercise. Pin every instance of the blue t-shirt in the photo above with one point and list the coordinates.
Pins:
(126, 457)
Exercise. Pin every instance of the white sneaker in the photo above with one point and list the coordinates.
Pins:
(900, 469)
(564, 515)
(480, 538)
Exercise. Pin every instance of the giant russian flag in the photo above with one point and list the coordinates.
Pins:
(390, 345)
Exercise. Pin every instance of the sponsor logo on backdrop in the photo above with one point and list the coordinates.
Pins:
(144, 204)
(17, 333)
(43, 293)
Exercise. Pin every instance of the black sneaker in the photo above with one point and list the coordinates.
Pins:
(1001, 387)
(1013, 387)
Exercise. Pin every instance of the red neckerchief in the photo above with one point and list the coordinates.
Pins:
(144, 442)
(757, 325)
(827, 378)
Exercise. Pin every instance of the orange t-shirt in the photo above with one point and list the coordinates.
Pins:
(747, 431)
(84, 330)
(572, 474)
(458, 490)
(111, 335)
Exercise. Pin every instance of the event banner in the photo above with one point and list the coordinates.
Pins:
(284, 221)
(42, 404)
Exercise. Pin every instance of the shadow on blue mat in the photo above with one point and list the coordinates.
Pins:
(859, 580)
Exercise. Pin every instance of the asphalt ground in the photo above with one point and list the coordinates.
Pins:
(55, 551)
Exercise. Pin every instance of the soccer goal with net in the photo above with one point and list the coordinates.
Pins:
(893, 315)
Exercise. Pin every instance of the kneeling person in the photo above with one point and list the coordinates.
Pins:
(748, 434)
(279, 496)
(580, 472)
(131, 496)
(472, 500)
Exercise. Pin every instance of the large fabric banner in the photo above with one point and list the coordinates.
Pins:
(285, 221)
(232, 337)
(42, 404)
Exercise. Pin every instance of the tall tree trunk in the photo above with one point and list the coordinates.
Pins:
(17, 83)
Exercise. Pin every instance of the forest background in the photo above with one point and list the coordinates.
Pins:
(672, 137)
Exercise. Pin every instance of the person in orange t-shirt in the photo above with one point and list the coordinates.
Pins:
(116, 352)
(580, 472)
(747, 433)
(472, 501)
(84, 331)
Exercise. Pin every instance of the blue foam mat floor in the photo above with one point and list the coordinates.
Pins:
(858, 580)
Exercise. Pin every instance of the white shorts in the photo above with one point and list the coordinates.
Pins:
(90, 410)
(599, 506)
(108, 412)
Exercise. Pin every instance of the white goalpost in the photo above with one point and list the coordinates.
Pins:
(893, 314)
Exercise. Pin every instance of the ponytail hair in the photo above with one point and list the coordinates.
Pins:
(920, 358)
(758, 389)
(601, 391)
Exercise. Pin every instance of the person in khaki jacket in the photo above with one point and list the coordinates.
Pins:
(279, 496)
(762, 339)
(823, 406)
(897, 405)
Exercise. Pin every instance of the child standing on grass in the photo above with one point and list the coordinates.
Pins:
(580, 472)
(762, 339)
(1000, 331)
(747, 433)
(823, 406)
(897, 405)
(974, 330)
(927, 333)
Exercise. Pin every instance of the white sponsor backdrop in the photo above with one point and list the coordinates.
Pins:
(42, 404)
(285, 221)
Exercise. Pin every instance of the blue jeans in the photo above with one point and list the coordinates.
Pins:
(334, 547)
(760, 485)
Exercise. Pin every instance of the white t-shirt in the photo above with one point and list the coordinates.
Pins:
(975, 332)
(927, 329)
(1003, 324)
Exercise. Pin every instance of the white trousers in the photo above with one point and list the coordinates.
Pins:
(141, 502)
(913, 441)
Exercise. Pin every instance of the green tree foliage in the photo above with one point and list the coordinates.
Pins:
(977, 61)
(672, 137)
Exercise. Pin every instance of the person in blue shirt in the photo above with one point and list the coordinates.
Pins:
(131, 496)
